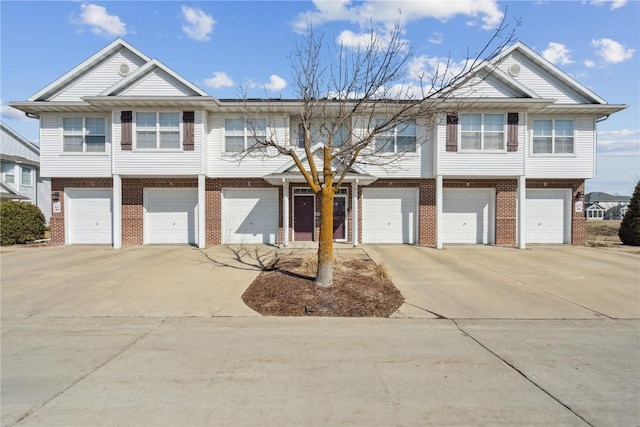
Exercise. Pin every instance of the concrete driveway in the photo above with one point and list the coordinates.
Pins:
(484, 282)
(71, 281)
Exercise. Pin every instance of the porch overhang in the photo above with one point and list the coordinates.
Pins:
(293, 177)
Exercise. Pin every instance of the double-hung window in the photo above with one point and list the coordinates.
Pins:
(398, 139)
(9, 173)
(158, 130)
(552, 136)
(241, 134)
(482, 131)
(27, 177)
(84, 134)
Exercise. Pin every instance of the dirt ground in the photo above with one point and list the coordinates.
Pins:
(361, 288)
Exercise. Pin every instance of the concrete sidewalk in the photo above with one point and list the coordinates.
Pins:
(318, 372)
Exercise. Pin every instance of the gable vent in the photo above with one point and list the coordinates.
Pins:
(124, 69)
(514, 70)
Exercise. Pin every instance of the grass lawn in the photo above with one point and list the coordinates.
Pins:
(603, 232)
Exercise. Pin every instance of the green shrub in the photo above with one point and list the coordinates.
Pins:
(629, 231)
(20, 222)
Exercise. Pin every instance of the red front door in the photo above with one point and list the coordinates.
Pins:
(303, 218)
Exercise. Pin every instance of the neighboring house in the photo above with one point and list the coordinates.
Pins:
(21, 178)
(607, 201)
(139, 155)
(594, 211)
(616, 212)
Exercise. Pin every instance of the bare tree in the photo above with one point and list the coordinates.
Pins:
(354, 106)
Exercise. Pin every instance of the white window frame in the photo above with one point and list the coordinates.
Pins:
(158, 130)
(482, 133)
(23, 172)
(84, 134)
(553, 136)
(9, 170)
(392, 135)
(248, 133)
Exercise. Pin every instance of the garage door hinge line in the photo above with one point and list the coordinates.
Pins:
(538, 289)
(97, 368)
(522, 374)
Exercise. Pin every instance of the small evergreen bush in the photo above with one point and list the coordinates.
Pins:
(20, 222)
(629, 231)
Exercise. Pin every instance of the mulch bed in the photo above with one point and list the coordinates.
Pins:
(286, 288)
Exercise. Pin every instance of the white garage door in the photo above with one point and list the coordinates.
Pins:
(545, 216)
(89, 216)
(249, 216)
(171, 215)
(389, 215)
(468, 216)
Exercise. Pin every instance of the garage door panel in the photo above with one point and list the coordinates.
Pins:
(171, 215)
(467, 216)
(389, 215)
(250, 216)
(90, 216)
(545, 212)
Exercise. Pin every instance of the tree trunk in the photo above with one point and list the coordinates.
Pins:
(324, 275)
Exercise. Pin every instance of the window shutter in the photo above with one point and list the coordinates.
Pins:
(126, 119)
(512, 132)
(187, 131)
(452, 132)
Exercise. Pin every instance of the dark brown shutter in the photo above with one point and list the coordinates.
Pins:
(452, 132)
(187, 123)
(512, 132)
(126, 118)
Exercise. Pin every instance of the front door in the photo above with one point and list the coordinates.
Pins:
(303, 218)
(339, 217)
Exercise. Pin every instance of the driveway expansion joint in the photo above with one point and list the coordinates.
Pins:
(521, 373)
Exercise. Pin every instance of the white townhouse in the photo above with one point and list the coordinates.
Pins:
(139, 155)
(20, 177)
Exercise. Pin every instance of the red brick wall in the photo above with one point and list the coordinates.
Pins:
(506, 204)
(578, 221)
(58, 185)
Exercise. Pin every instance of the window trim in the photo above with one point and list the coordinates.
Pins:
(84, 151)
(134, 130)
(553, 137)
(246, 134)
(5, 173)
(482, 133)
(23, 169)
(393, 133)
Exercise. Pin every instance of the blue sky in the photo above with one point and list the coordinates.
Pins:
(222, 45)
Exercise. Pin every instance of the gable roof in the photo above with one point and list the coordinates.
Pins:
(598, 196)
(7, 192)
(145, 70)
(15, 135)
(84, 67)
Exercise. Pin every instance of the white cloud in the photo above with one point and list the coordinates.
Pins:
(589, 63)
(436, 38)
(218, 79)
(276, 83)
(198, 25)
(100, 21)
(366, 40)
(620, 132)
(434, 67)
(615, 4)
(11, 113)
(386, 12)
(611, 51)
(557, 53)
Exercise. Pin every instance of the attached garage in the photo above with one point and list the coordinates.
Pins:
(170, 215)
(468, 215)
(89, 216)
(250, 215)
(546, 216)
(389, 215)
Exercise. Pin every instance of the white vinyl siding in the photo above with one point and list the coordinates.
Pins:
(54, 162)
(579, 164)
(157, 82)
(100, 78)
(163, 162)
(481, 162)
(486, 86)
